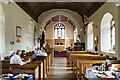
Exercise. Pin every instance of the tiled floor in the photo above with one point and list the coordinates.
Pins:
(60, 71)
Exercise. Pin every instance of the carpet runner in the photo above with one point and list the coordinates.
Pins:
(60, 53)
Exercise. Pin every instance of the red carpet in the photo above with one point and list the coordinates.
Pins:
(60, 53)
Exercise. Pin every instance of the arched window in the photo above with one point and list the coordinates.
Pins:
(90, 36)
(107, 33)
(59, 31)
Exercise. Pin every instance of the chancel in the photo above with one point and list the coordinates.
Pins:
(59, 39)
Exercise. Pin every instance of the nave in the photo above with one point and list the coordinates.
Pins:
(60, 70)
(34, 36)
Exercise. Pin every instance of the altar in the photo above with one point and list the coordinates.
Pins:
(59, 47)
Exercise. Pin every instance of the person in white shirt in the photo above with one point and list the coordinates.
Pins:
(16, 59)
(42, 53)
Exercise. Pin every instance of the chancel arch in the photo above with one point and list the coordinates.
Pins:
(60, 32)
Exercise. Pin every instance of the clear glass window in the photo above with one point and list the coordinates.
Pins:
(59, 31)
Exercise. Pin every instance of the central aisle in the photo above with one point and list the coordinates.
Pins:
(60, 71)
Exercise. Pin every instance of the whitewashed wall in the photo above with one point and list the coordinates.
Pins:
(2, 31)
(97, 17)
(15, 16)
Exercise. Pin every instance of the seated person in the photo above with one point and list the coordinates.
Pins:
(16, 59)
(35, 53)
(43, 48)
(39, 55)
(70, 48)
(18, 52)
(23, 53)
(96, 48)
(11, 54)
(42, 53)
(6, 58)
(48, 47)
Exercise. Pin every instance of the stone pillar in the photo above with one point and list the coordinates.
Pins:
(118, 35)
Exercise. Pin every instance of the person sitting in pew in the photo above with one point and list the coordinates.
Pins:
(23, 53)
(42, 53)
(43, 48)
(6, 58)
(70, 48)
(11, 54)
(35, 53)
(39, 53)
(16, 59)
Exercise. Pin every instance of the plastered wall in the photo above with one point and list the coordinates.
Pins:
(97, 17)
(2, 31)
(15, 16)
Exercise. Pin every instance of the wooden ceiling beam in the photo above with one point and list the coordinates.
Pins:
(94, 8)
(40, 4)
(73, 6)
(27, 9)
(35, 10)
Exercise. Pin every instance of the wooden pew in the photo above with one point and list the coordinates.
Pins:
(39, 63)
(80, 54)
(25, 58)
(74, 56)
(4, 66)
(29, 53)
(27, 68)
(50, 59)
(116, 63)
(83, 64)
(43, 65)
(77, 54)
(74, 52)
(47, 61)
(11, 68)
(41, 70)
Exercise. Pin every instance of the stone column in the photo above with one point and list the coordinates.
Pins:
(118, 35)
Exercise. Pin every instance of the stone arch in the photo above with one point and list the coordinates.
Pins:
(59, 13)
(2, 31)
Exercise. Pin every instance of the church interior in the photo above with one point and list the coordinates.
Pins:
(59, 39)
